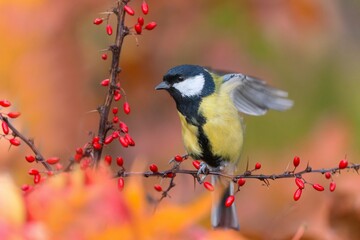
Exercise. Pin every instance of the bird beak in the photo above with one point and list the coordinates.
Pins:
(162, 85)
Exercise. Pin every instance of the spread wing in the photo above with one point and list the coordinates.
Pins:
(253, 96)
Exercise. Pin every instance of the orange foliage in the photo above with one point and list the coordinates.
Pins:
(85, 205)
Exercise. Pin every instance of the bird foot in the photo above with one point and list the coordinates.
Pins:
(203, 172)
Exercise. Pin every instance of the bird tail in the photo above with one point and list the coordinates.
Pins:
(222, 216)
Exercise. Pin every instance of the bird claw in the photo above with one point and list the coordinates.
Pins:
(203, 172)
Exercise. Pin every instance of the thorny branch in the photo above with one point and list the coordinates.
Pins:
(246, 174)
(121, 32)
(30, 142)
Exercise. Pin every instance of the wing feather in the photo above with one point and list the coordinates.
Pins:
(254, 97)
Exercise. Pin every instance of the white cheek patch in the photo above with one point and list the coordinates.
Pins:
(191, 86)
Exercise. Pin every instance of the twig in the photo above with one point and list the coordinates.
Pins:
(38, 156)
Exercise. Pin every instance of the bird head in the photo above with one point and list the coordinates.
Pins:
(187, 82)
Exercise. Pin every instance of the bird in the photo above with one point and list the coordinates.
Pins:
(209, 106)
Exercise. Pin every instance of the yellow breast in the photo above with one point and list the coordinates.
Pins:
(190, 137)
(223, 126)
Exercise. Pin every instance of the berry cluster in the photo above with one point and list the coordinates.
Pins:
(300, 181)
(7, 133)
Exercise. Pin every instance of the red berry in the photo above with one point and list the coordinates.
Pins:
(25, 187)
(13, 114)
(115, 119)
(14, 142)
(98, 21)
(196, 164)
(121, 183)
(300, 183)
(96, 139)
(123, 141)
(209, 186)
(78, 157)
(241, 182)
(117, 96)
(332, 186)
(37, 178)
(144, 7)
(85, 163)
(138, 28)
(129, 139)
(153, 168)
(170, 175)
(327, 175)
(108, 159)
(79, 151)
(150, 26)
(124, 128)
(109, 29)
(115, 134)
(33, 171)
(178, 158)
(229, 201)
(104, 56)
(141, 21)
(343, 164)
(318, 187)
(5, 103)
(108, 139)
(97, 145)
(296, 161)
(297, 194)
(257, 166)
(129, 10)
(115, 110)
(126, 108)
(5, 127)
(53, 160)
(105, 82)
(120, 161)
(58, 166)
(30, 158)
(157, 187)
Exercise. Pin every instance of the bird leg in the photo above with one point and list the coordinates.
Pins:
(203, 172)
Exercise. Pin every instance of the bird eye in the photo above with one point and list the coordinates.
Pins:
(180, 78)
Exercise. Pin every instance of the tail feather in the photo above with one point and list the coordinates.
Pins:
(222, 216)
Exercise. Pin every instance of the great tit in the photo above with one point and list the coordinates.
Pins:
(208, 105)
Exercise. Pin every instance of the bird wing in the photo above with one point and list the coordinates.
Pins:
(253, 96)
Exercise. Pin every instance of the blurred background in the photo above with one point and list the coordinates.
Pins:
(51, 67)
